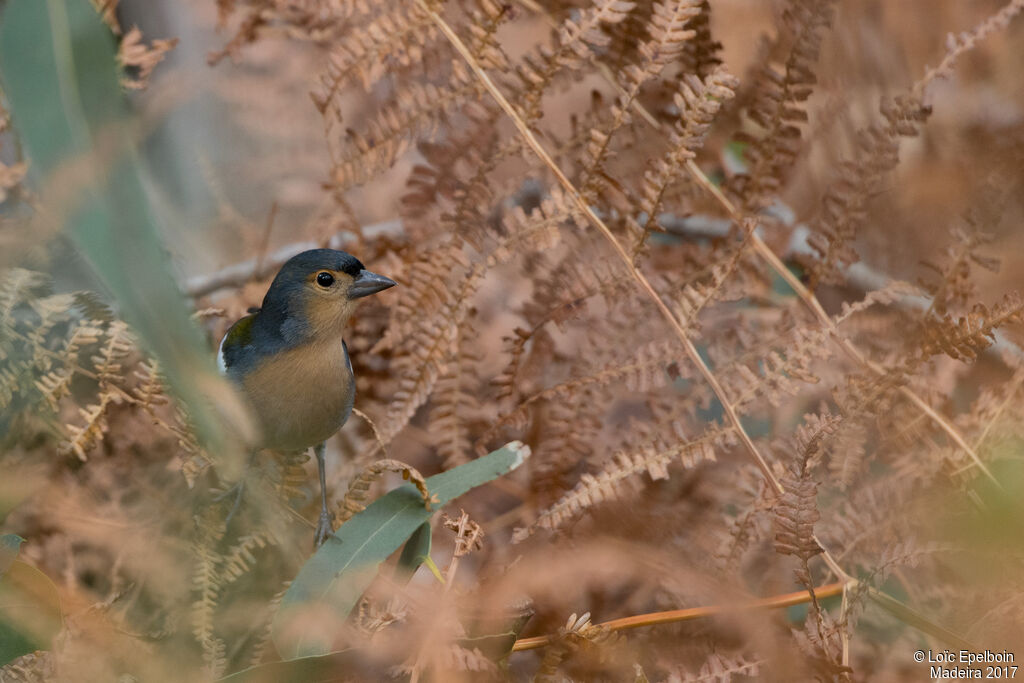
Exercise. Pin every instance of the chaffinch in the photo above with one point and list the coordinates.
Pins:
(289, 357)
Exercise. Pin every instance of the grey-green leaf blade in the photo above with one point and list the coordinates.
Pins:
(330, 583)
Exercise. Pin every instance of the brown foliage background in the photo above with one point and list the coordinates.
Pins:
(754, 314)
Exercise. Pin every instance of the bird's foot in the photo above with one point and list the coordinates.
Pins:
(324, 528)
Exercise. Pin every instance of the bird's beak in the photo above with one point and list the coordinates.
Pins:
(367, 283)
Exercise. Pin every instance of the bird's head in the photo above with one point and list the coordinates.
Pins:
(315, 293)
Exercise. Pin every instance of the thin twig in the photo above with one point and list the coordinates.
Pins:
(627, 260)
(239, 274)
(885, 601)
(265, 239)
(808, 297)
(691, 613)
(811, 301)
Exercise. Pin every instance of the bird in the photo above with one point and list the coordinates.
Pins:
(289, 359)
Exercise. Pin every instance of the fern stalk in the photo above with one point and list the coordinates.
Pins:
(691, 613)
(769, 256)
(620, 251)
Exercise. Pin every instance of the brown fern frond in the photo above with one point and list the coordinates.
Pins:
(397, 37)
(645, 370)
(358, 490)
(535, 72)
(796, 512)
(431, 345)
(695, 296)
(83, 437)
(434, 338)
(468, 534)
(17, 287)
(819, 641)
(964, 337)
(953, 286)
(847, 459)
(536, 231)
(844, 204)
(700, 53)
(562, 295)
(812, 435)
(454, 401)
(652, 458)
(893, 291)
(698, 102)
(416, 111)
(777, 107)
(118, 345)
(206, 584)
(718, 668)
(576, 633)
(134, 54)
(263, 640)
(289, 477)
(55, 384)
(564, 434)
(427, 284)
(780, 371)
(668, 34)
(515, 348)
(958, 45)
(150, 393)
(743, 528)
(239, 559)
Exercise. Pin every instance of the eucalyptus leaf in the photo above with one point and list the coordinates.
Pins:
(328, 586)
(414, 553)
(495, 634)
(61, 82)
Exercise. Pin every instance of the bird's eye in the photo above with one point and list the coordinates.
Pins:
(324, 279)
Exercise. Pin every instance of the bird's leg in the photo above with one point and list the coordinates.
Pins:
(323, 527)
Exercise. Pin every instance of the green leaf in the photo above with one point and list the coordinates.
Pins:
(415, 553)
(328, 586)
(30, 614)
(494, 635)
(60, 78)
(428, 562)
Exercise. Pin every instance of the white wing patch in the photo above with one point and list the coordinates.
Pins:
(221, 365)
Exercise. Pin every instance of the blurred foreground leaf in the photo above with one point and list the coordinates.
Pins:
(328, 586)
(9, 545)
(415, 552)
(60, 78)
(30, 613)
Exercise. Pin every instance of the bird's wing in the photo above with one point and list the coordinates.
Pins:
(232, 345)
(348, 359)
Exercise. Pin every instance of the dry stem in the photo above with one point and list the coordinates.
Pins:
(691, 613)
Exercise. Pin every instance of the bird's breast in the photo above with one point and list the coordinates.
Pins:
(302, 396)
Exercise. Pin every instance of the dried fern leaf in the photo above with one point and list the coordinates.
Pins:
(355, 498)
(653, 458)
(778, 104)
